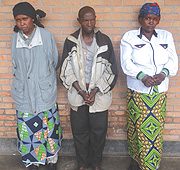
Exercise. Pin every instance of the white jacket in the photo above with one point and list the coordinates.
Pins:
(138, 54)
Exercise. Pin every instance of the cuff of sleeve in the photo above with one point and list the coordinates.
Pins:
(70, 87)
(100, 88)
(165, 71)
(140, 75)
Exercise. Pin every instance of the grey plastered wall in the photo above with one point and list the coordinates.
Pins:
(112, 147)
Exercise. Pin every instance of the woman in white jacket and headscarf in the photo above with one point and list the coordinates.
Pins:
(148, 58)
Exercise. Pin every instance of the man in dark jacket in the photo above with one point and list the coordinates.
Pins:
(89, 72)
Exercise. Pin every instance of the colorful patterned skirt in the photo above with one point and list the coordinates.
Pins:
(39, 137)
(145, 126)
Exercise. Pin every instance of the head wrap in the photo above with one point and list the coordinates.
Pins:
(149, 8)
(25, 8)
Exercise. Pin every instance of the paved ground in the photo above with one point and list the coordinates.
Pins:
(13, 162)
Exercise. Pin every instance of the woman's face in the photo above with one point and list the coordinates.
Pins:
(148, 23)
(25, 24)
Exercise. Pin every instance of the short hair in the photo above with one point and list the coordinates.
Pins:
(88, 8)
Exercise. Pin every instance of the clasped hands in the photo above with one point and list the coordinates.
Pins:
(149, 81)
(89, 99)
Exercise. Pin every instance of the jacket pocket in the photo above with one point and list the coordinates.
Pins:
(163, 56)
(14, 67)
(74, 98)
(103, 101)
(48, 87)
(17, 91)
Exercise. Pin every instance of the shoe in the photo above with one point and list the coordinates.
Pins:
(80, 168)
(51, 166)
(34, 167)
(97, 168)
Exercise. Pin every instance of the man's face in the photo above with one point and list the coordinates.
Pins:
(25, 24)
(87, 21)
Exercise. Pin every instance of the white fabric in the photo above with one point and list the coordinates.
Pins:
(150, 59)
(53, 160)
(36, 40)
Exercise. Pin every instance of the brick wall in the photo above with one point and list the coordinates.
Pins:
(115, 17)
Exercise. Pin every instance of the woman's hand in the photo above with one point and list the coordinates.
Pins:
(148, 81)
(158, 78)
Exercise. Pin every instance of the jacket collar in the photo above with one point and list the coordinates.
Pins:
(140, 33)
(34, 39)
(99, 37)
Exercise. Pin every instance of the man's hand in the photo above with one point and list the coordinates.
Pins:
(89, 99)
(85, 96)
(92, 96)
(81, 92)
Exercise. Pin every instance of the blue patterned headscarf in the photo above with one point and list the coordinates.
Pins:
(149, 8)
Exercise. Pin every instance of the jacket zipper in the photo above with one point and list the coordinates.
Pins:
(154, 65)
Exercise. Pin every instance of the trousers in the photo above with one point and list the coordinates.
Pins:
(89, 134)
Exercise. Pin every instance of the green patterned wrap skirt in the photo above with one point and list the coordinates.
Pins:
(145, 127)
(39, 136)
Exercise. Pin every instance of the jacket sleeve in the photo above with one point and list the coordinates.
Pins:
(55, 53)
(128, 67)
(13, 44)
(67, 75)
(172, 65)
(110, 74)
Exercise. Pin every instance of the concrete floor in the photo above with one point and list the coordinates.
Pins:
(13, 162)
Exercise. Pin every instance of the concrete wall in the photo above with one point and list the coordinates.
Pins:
(114, 17)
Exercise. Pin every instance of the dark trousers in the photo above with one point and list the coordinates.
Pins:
(89, 133)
